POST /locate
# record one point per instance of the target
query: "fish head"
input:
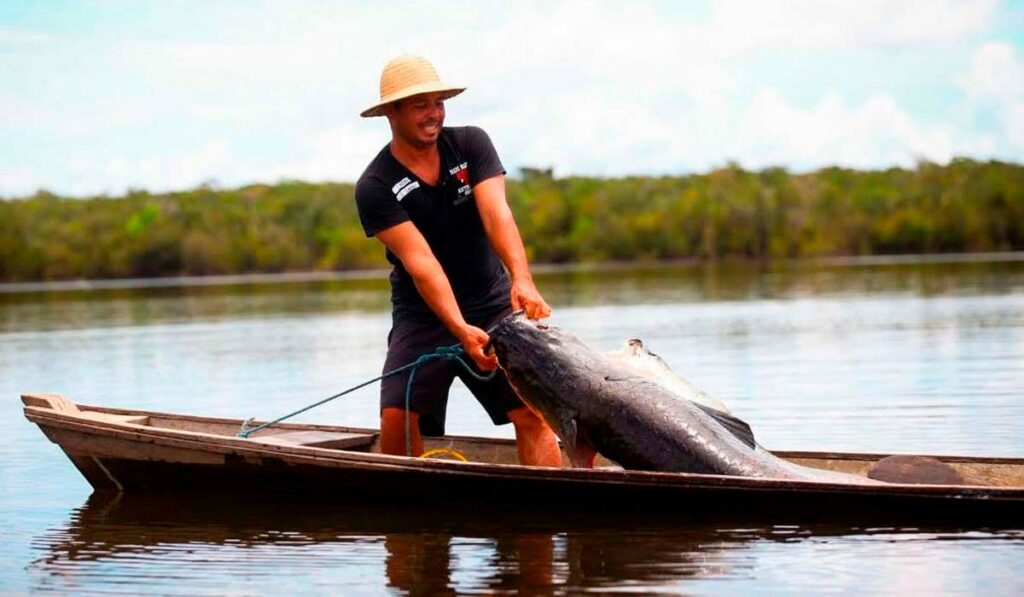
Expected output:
(633, 347)
(517, 338)
(635, 357)
(546, 367)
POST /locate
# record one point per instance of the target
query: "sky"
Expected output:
(103, 97)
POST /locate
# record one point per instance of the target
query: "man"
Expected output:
(435, 197)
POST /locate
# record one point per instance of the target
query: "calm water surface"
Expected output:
(923, 358)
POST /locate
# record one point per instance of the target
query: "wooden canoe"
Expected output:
(129, 450)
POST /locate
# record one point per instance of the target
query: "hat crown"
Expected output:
(406, 76)
(406, 71)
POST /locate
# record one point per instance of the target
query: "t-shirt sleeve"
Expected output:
(482, 156)
(378, 208)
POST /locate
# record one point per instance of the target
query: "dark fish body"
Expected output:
(594, 403)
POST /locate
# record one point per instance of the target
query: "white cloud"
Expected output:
(17, 112)
(741, 24)
(642, 92)
(587, 87)
(874, 133)
(18, 182)
(766, 131)
(9, 37)
(337, 154)
(995, 73)
(91, 175)
(995, 83)
(1015, 126)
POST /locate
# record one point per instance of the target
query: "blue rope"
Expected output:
(453, 352)
(444, 352)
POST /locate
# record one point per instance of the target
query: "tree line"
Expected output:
(965, 206)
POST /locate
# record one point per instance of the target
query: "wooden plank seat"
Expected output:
(334, 440)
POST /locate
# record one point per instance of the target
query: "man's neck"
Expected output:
(424, 161)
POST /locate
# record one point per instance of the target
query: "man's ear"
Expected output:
(390, 110)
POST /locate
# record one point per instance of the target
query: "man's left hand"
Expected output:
(526, 297)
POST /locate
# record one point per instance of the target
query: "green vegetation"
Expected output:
(962, 207)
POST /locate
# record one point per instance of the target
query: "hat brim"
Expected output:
(378, 108)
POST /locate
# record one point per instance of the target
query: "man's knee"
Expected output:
(526, 420)
(393, 416)
(536, 442)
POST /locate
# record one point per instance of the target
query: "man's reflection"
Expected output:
(424, 552)
(425, 563)
(419, 563)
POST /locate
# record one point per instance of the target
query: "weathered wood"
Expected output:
(134, 450)
(53, 401)
(990, 472)
(125, 419)
(320, 439)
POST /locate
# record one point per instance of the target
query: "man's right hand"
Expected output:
(473, 341)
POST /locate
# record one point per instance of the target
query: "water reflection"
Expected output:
(441, 562)
(192, 544)
(164, 541)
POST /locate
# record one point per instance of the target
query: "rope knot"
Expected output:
(449, 352)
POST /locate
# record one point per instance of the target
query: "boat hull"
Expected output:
(115, 455)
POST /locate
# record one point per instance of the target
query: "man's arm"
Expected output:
(406, 242)
(505, 238)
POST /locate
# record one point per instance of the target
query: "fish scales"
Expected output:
(596, 404)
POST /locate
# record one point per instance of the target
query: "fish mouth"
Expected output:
(491, 330)
(512, 330)
(517, 316)
(498, 328)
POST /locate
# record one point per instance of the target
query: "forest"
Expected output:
(730, 212)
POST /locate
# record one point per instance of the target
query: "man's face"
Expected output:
(417, 120)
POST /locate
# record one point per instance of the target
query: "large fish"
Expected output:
(596, 405)
(635, 356)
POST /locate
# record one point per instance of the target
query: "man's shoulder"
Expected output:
(472, 144)
(462, 135)
(377, 172)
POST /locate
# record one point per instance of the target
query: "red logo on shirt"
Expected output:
(461, 174)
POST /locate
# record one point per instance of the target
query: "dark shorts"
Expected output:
(408, 340)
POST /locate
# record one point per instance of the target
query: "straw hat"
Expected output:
(406, 76)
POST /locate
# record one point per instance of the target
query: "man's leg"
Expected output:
(408, 340)
(392, 432)
(537, 444)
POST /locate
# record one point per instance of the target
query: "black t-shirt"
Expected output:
(388, 194)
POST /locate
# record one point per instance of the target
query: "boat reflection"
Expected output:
(171, 542)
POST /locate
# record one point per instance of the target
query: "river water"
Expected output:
(909, 356)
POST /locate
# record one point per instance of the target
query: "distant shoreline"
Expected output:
(727, 215)
(540, 268)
